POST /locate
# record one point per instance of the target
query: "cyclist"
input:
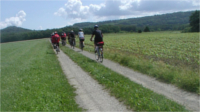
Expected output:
(68, 35)
(81, 36)
(98, 37)
(63, 36)
(56, 38)
(72, 36)
(52, 36)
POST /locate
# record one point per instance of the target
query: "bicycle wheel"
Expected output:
(57, 49)
(73, 44)
(101, 55)
(82, 45)
(96, 55)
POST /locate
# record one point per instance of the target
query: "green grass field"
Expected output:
(32, 79)
(172, 57)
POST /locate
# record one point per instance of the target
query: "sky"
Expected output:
(49, 14)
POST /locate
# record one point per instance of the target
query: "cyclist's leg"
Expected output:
(80, 43)
(95, 47)
(83, 42)
(58, 44)
(74, 42)
(71, 41)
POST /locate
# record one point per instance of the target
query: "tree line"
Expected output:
(16, 34)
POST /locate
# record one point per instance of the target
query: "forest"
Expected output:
(178, 21)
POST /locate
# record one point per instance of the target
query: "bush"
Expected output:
(139, 31)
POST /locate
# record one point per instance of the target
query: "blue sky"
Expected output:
(48, 14)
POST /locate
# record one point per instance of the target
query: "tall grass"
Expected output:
(135, 96)
(32, 79)
(172, 57)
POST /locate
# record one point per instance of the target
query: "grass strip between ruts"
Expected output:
(135, 96)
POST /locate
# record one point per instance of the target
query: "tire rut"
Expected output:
(90, 95)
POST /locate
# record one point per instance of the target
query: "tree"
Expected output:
(195, 21)
(146, 29)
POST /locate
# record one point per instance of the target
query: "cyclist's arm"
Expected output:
(92, 37)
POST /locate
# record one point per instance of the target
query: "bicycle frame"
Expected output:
(72, 42)
(63, 42)
(100, 53)
(81, 45)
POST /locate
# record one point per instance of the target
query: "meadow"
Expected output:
(170, 56)
(32, 79)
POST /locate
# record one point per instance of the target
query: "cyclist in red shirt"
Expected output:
(63, 36)
(56, 38)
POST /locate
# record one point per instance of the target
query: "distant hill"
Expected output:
(173, 21)
(164, 21)
(14, 29)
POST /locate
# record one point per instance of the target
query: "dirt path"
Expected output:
(190, 100)
(90, 94)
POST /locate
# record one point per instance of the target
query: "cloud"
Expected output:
(75, 11)
(14, 21)
(40, 27)
(167, 5)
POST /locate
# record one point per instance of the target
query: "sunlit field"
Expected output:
(172, 57)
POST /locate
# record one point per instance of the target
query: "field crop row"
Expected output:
(161, 46)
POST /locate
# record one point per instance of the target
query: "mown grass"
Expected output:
(131, 94)
(32, 79)
(172, 57)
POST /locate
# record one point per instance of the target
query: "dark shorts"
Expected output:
(63, 38)
(81, 39)
(96, 40)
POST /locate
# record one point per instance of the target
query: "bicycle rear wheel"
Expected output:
(101, 55)
(57, 49)
(73, 42)
(82, 45)
(96, 55)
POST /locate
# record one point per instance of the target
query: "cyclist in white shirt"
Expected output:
(81, 36)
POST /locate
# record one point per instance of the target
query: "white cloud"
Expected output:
(74, 11)
(14, 21)
(40, 27)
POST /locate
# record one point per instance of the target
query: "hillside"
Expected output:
(164, 21)
(14, 29)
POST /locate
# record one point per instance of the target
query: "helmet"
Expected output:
(55, 32)
(80, 29)
(96, 26)
(71, 31)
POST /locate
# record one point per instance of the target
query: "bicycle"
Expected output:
(56, 47)
(99, 52)
(63, 42)
(81, 45)
(72, 42)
